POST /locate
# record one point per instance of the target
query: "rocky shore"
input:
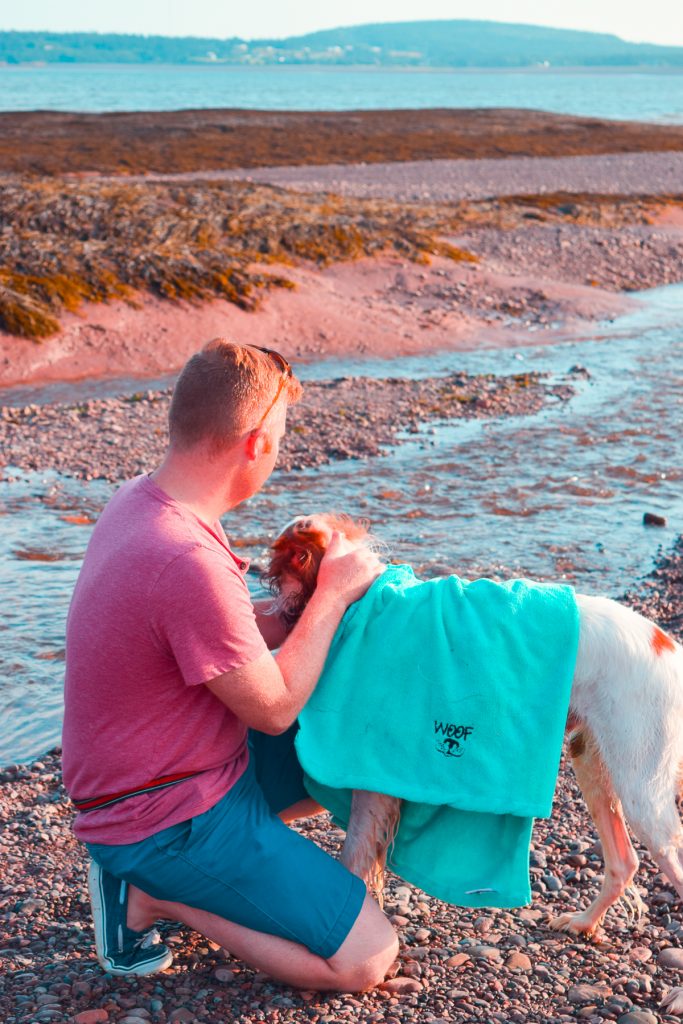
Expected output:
(401, 258)
(109, 278)
(350, 417)
(454, 965)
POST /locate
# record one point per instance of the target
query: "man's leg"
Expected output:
(361, 961)
(238, 875)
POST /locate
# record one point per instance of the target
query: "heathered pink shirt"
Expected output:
(160, 607)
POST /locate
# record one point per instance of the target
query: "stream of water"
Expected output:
(559, 495)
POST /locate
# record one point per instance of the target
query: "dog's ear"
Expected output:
(297, 554)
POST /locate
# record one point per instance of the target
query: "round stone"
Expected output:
(672, 956)
(637, 1017)
(518, 962)
(585, 994)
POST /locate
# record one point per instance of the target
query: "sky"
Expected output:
(657, 21)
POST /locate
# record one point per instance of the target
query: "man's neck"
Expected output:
(194, 486)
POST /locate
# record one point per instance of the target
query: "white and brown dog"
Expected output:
(625, 731)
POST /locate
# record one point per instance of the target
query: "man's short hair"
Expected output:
(223, 391)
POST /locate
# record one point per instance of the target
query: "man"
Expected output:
(167, 667)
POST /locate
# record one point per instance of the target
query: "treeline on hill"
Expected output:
(482, 44)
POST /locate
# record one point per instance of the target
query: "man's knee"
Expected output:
(368, 951)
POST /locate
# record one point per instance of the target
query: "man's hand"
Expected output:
(268, 693)
(346, 571)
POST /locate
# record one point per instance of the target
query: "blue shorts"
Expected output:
(239, 861)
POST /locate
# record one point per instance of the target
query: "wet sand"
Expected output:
(312, 274)
(383, 307)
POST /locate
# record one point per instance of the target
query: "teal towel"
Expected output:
(452, 695)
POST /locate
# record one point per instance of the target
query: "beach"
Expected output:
(454, 965)
(124, 277)
(346, 237)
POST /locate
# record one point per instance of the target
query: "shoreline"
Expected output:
(369, 308)
(317, 275)
(342, 418)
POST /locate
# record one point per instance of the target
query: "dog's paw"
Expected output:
(577, 924)
(673, 1001)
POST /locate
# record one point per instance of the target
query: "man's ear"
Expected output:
(257, 443)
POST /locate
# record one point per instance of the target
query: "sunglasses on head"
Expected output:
(285, 374)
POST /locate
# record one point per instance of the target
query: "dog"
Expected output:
(624, 729)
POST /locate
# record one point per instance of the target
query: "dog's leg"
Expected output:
(621, 860)
(670, 860)
(663, 834)
(372, 827)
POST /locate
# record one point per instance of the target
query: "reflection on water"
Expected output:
(560, 495)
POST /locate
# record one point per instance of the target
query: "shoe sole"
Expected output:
(94, 876)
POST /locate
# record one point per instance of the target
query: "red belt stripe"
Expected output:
(96, 802)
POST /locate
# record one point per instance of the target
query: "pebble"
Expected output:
(638, 1017)
(224, 975)
(518, 962)
(585, 994)
(458, 959)
(181, 1016)
(641, 953)
(485, 952)
(401, 986)
(672, 956)
(91, 1017)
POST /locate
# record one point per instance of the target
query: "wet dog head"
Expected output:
(292, 572)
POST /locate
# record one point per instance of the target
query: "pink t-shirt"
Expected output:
(160, 607)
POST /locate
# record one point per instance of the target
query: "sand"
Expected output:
(536, 281)
(380, 308)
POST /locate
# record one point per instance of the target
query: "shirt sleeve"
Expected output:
(202, 615)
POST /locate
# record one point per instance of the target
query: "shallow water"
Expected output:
(560, 495)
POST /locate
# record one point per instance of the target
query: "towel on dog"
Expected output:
(452, 695)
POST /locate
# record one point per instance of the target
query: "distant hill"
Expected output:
(456, 44)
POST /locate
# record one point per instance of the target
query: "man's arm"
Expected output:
(269, 693)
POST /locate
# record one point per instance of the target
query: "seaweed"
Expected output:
(63, 243)
(66, 242)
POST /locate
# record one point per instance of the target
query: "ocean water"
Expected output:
(642, 95)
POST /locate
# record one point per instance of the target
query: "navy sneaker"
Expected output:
(119, 949)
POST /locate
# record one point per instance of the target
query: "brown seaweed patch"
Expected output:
(51, 142)
(34, 555)
(63, 243)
